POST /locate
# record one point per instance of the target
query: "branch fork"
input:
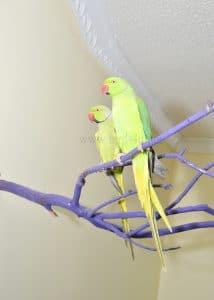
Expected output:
(101, 219)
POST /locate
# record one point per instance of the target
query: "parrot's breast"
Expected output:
(127, 122)
(107, 141)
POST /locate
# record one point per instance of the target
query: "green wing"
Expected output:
(99, 144)
(106, 141)
(145, 118)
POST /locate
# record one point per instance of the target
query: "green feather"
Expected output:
(145, 118)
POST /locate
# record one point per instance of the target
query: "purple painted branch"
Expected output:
(188, 163)
(177, 229)
(49, 200)
(46, 200)
(125, 158)
(189, 186)
(157, 140)
(113, 200)
(123, 235)
(192, 208)
(177, 200)
(100, 219)
(169, 212)
(125, 195)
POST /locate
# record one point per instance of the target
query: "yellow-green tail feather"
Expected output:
(123, 205)
(157, 239)
(148, 198)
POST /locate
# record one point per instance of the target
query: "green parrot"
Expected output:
(108, 147)
(132, 124)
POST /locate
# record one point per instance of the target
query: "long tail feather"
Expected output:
(157, 239)
(159, 207)
(149, 199)
(122, 202)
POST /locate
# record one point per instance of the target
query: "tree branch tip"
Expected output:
(167, 186)
(181, 153)
(53, 213)
(209, 106)
(176, 248)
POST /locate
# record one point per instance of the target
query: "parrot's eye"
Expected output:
(97, 109)
(113, 81)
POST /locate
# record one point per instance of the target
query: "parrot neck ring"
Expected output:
(92, 118)
(107, 117)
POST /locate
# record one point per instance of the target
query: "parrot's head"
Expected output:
(114, 86)
(99, 113)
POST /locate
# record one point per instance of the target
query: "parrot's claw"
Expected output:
(140, 148)
(118, 158)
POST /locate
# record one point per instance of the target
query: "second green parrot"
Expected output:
(108, 147)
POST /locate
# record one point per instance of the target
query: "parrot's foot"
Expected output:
(140, 148)
(118, 158)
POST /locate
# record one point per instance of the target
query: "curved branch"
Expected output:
(189, 186)
(188, 163)
(125, 195)
(98, 218)
(176, 229)
(45, 200)
(125, 158)
(113, 200)
(169, 212)
(178, 199)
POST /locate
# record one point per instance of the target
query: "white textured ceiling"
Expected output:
(164, 47)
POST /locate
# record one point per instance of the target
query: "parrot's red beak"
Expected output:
(105, 89)
(91, 116)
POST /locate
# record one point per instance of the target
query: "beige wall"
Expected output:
(48, 82)
(190, 269)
